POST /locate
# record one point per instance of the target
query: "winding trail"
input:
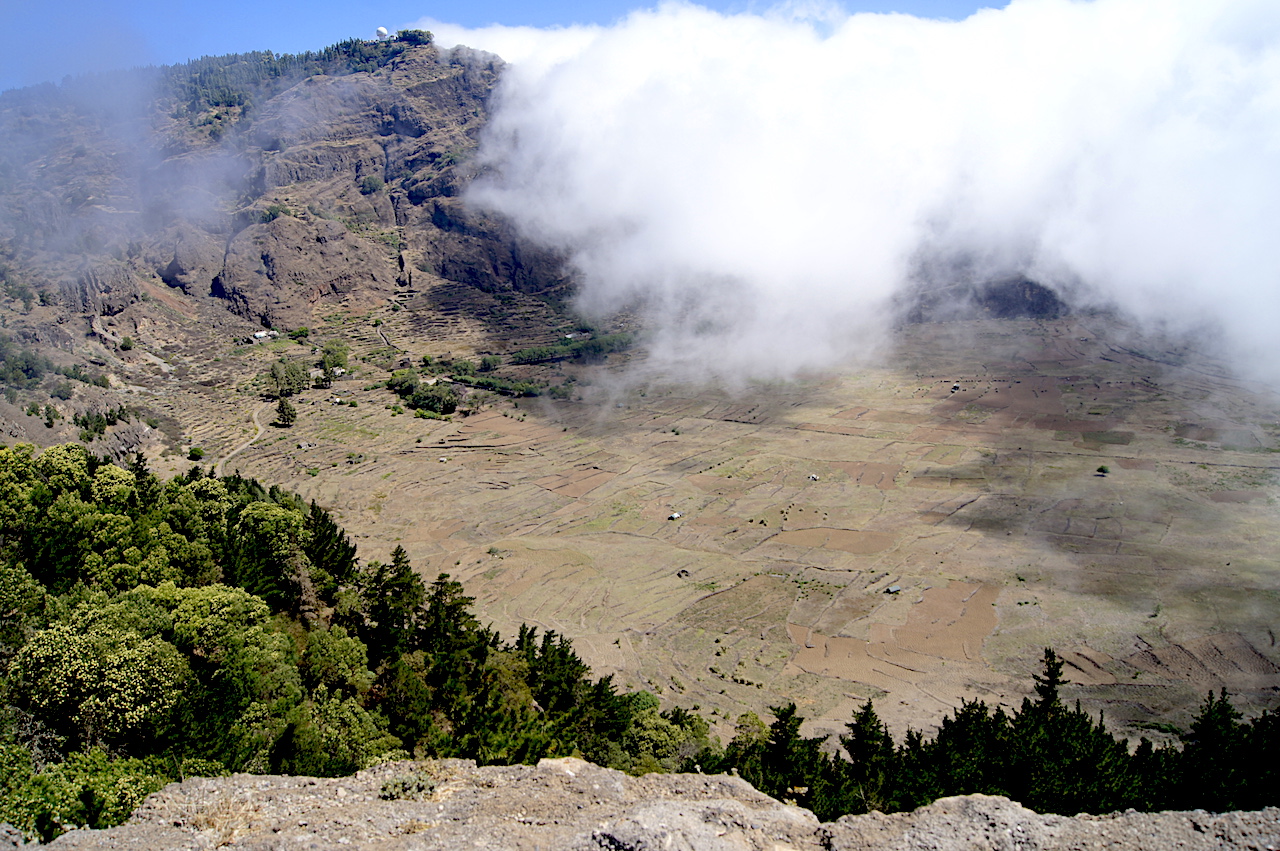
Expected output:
(220, 469)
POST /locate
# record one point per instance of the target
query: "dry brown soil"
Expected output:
(801, 504)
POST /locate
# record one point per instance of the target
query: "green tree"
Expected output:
(790, 763)
(268, 559)
(437, 398)
(969, 752)
(60, 535)
(417, 38)
(393, 596)
(335, 663)
(106, 687)
(205, 623)
(554, 671)
(65, 469)
(334, 354)
(286, 414)
(22, 609)
(89, 789)
(746, 749)
(289, 377)
(660, 741)
(18, 477)
(330, 551)
(1260, 784)
(147, 484)
(113, 488)
(401, 693)
(1048, 684)
(1213, 758)
(1060, 760)
(330, 738)
(868, 779)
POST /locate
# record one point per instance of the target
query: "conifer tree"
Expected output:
(1261, 762)
(394, 595)
(1213, 758)
(790, 764)
(330, 551)
(286, 414)
(868, 778)
(1049, 683)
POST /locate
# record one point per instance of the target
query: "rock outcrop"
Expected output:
(571, 805)
(326, 195)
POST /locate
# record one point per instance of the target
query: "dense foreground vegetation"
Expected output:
(151, 631)
(1049, 757)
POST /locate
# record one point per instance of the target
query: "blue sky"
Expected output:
(40, 42)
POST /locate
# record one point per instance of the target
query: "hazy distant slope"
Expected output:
(274, 183)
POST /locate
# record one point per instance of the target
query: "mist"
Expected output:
(759, 188)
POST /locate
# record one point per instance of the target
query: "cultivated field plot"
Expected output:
(915, 533)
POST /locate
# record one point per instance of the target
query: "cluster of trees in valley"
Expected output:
(154, 630)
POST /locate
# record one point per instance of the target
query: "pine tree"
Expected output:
(1060, 760)
(917, 778)
(404, 698)
(867, 781)
(970, 752)
(790, 764)
(1213, 756)
(455, 644)
(1155, 776)
(147, 487)
(330, 551)
(1261, 762)
(1048, 683)
(555, 672)
(393, 595)
(286, 414)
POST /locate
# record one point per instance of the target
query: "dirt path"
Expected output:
(221, 467)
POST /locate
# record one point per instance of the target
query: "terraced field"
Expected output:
(914, 533)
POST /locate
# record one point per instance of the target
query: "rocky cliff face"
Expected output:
(333, 192)
(575, 806)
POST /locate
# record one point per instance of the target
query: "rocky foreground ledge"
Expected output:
(571, 805)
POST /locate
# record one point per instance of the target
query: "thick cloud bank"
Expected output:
(761, 186)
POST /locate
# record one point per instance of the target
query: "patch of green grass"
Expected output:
(1115, 438)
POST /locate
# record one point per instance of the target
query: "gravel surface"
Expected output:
(571, 805)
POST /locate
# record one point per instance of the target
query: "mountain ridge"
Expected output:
(1022, 476)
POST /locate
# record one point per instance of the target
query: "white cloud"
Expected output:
(761, 184)
(529, 47)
